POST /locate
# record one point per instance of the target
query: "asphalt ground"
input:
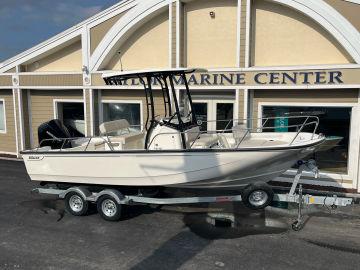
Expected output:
(36, 233)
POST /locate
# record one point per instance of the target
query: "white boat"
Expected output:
(172, 152)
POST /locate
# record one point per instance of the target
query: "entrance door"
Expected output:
(214, 114)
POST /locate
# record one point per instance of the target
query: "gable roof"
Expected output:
(67, 35)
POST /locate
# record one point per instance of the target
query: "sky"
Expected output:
(26, 23)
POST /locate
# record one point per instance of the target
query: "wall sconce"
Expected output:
(212, 14)
(85, 69)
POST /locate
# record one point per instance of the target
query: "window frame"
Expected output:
(329, 178)
(4, 131)
(122, 101)
(56, 102)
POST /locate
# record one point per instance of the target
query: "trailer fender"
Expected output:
(117, 195)
(82, 191)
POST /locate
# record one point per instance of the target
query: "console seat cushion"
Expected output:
(205, 141)
(133, 140)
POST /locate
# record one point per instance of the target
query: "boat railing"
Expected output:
(243, 127)
(64, 141)
(307, 121)
(261, 122)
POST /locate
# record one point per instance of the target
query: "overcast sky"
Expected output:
(25, 23)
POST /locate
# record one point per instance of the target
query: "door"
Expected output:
(214, 114)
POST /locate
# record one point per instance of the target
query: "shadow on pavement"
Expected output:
(173, 253)
(47, 206)
(241, 222)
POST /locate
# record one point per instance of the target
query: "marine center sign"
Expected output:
(268, 78)
(264, 78)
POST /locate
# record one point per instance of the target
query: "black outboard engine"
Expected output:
(54, 132)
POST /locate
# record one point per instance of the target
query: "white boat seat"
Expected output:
(111, 127)
(122, 137)
(133, 140)
(191, 135)
(206, 141)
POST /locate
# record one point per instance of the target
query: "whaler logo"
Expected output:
(34, 158)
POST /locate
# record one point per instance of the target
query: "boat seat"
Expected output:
(191, 135)
(121, 135)
(206, 141)
(134, 140)
(240, 132)
(108, 128)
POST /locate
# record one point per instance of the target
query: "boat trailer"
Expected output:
(109, 201)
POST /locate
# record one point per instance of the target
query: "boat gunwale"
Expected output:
(209, 150)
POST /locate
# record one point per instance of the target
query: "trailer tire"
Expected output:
(108, 208)
(257, 196)
(75, 204)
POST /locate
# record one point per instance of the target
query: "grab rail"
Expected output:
(261, 127)
(64, 140)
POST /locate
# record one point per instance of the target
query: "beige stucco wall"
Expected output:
(210, 42)
(42, 106)
(66, 59)
(98, 32)
(8, 139)
(147, 47)
(283, 36)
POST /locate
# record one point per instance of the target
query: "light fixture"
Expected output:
(212, 14)
(85, 69)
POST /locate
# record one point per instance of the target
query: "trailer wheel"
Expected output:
(257, 196)
(75, 204)
(108, 208)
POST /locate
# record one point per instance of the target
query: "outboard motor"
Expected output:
(53, 131)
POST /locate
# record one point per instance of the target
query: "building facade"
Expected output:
(265, 58)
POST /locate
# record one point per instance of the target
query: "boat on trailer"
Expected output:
(172, 150)
(123, 166)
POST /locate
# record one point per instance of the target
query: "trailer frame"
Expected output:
(298, 198)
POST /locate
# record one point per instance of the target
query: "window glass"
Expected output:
(224, 116)
(333, 155)
(2, 116)
(129, 111)
(201, 112)
(72, 114)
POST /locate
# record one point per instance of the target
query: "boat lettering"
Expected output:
(35, 158)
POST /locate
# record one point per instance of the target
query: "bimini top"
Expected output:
(130, 74)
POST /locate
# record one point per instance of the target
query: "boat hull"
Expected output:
(191, 169)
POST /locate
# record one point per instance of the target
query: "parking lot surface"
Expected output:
(36, 233)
